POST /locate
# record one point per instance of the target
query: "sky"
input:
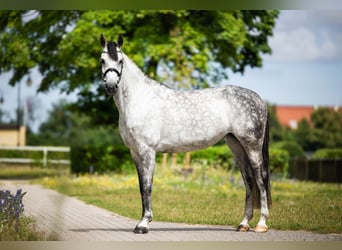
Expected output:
(305, 67)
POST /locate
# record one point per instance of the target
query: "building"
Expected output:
(290, 116)
(11, 135)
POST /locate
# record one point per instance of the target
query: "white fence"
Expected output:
(45, 160)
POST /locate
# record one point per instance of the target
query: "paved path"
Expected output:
(73, 220)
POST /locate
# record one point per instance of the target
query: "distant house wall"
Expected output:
(10, 136)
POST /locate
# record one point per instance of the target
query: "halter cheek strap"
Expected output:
(119, 74)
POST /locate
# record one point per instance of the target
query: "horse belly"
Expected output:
(189, 144)
(187, 131)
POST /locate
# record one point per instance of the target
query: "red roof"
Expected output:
(290, 115)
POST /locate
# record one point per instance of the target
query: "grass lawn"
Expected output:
(209, 196)
(23, 172)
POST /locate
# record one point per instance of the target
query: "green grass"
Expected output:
(209, 196)
(25, 172)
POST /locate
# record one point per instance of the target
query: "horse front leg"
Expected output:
(145, 163)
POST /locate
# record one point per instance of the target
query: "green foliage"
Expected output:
(116, 158)
(277, 131)
(37, 156)
(195, 45)
(328, 153)
(304, 135)
(13, 225)
(29, 231)
(11, 209)
(216, 156)
(100, 159)
(324, 131)
(279, 162)
(293, 148)
(219, 156)
(24, 172)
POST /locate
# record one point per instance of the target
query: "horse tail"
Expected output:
(266, 163)
(265, 171)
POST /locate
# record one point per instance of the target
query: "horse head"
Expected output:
(111, 64)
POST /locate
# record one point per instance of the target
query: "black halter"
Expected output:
(119, 73)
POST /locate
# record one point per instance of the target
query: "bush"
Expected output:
(100, 159)
(279, 161)
(328, 153)
(99, 150)
(293, 148)
(11, 208)
(222, 156)
(216, 156)
(15, 226)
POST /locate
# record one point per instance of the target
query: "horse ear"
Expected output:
(102, 41)
(120, 41)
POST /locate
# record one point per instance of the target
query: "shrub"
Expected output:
(279, 161)
(11, 208)
(216, 156)
(100, 159)
(293, 148)
(222, 156)
(328, 153)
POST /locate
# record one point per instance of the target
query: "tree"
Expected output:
(65, 126)
(277, 131)
(193, 48)
(56, 129)
(323, 131)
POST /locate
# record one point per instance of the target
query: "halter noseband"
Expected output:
(119, 74)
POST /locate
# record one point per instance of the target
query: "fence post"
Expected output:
(174, 160)
(187, 160)
(306, 177)
(164, 161)
(45, 156)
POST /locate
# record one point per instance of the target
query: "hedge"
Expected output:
(293, 148)
(116, 158)
(216, 156)
(279, 161)
(100, 159)
(37, 156)
(328, 153)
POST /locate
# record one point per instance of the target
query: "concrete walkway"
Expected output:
(73, 220)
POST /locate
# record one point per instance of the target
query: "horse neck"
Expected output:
(132, 82)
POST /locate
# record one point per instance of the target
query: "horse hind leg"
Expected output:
(244, 165)
(262, 195)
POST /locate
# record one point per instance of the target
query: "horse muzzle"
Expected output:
(111, 88)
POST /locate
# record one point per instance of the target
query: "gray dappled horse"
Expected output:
(154, 118)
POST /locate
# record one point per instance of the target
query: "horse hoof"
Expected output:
(260, 229)
(243, 228)
(141, 230)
